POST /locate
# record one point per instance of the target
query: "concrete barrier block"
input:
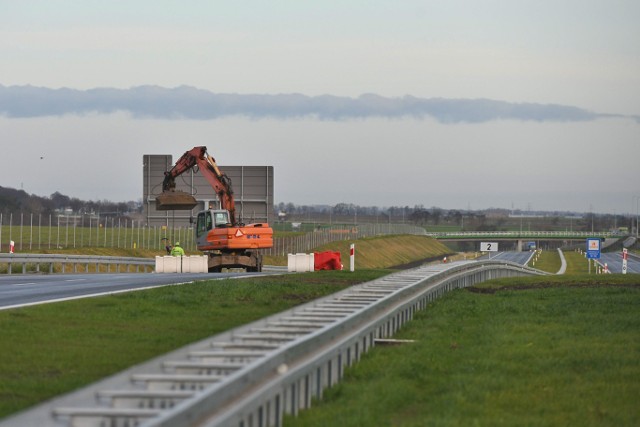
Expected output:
(200, 262)
(194, 264)
(186, 264)
(171, 264)
(159, 264)
(300, 262)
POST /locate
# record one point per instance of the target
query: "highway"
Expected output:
(20, 290)
(280, 363)
(517, 257)
(612, 259)
(614, 262)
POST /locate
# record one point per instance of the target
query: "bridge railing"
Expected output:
(521, 234)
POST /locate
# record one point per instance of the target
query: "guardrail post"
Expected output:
(78, 262)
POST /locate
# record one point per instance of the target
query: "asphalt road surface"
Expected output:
(612, 259)
(614, 263)
(518, 257)
(18, 290)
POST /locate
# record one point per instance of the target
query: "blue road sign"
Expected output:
(593, 248)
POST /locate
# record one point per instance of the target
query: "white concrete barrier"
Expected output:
(299, 263)
(185, 264)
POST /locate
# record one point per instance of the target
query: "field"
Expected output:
(558, 351)
(53, 348)
(514, 353)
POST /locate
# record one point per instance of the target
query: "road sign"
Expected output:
(488, 246)
(625, 255)
(593, 248)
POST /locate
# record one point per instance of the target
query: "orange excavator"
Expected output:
(218, 233)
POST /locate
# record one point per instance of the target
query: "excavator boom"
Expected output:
(219, 233)
(170, 199)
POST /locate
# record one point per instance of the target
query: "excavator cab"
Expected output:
(208, 220)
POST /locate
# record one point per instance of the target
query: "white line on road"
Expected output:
(100, 294)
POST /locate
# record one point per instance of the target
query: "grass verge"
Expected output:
(520, 354)
(548, 261)
(54, 348)
(388, 251)
(577, 263)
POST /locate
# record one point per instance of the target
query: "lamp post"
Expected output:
(637, 199)
(637, 203)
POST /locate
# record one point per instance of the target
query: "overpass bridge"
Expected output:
(519, 237)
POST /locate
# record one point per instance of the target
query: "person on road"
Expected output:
(167, 245)
(177, 250)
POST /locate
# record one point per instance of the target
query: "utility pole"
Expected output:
(637, 203)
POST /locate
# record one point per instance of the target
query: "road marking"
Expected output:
(75, 280)
(24, 284)
(100, 294)
(29, 304)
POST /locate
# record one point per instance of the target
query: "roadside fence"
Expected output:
(324, 235)
(37, 232)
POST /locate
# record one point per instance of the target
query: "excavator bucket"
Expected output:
(175, 200)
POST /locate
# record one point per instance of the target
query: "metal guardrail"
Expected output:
(522, 234)
(254, 374)
(49, 260)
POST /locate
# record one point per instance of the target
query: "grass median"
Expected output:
(55, 348)
(535, 351)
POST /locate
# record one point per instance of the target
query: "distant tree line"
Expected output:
(14, 201)
(17, 201)
(417, 214)
(494, 219)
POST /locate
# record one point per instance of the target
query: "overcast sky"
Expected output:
(467, 103)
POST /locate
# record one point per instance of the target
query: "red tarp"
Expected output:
(327, 261)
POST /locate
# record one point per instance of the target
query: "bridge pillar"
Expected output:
(519, 248)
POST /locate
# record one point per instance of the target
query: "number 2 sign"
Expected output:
(488, 246)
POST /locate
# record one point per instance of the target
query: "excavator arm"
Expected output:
(232, 245)
(220, 182)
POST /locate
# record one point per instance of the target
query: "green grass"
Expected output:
(29, 239)
(537, 356)
(381, 251)
(577, 263)
(548, 261)
(54, 348)
(551, 351)
(388, 251)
